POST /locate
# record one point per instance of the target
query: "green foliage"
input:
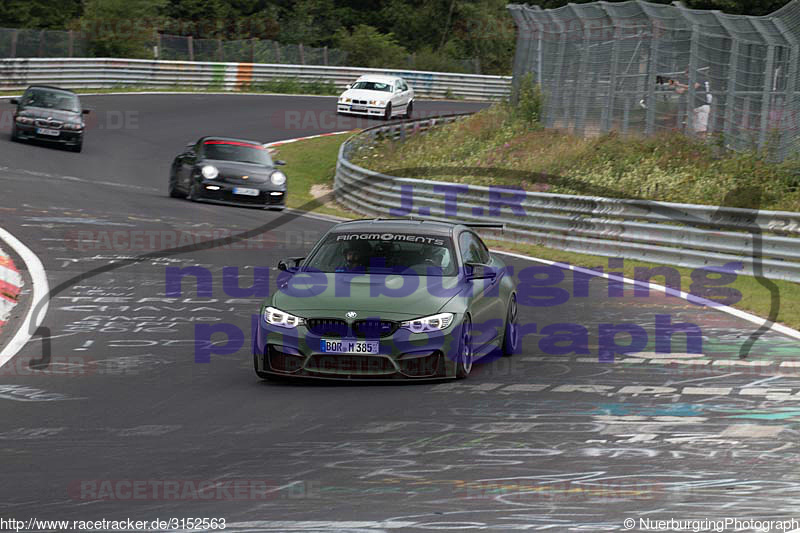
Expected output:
(39, 14)
(120, 28)
(294, 86)
(530, 100)
(367, 47)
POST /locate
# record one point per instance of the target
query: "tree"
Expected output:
(121, 28)
(367, 47)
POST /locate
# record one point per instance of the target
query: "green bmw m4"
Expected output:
(388, 299)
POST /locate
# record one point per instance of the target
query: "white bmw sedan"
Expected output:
(377, 96)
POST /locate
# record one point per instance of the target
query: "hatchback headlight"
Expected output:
(282, 319)
(209, 172)
(428, 323)
(278, 178)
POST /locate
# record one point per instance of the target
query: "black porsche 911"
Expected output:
(228, 171)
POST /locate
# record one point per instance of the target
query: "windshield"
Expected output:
(237, 151)
(51, 99)
(400, 253)
(372, 86)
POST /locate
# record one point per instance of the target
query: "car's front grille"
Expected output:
(44, 123)
(348, 363)
(283, 362)
(363, 102)
(374, 328)
(328, 327)
(423, 367)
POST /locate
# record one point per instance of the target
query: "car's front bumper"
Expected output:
(372, 111)
(29, 132)
(402, 355)
(268, 196)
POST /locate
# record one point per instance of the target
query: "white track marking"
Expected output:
(39, 298)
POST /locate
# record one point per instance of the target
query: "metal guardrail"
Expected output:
(697, 236)
(102, 73)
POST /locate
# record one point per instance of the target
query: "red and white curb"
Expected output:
(10, 285)
(39, 293)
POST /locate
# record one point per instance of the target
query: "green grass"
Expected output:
(670, 167)
(313, 162)
(308, 163)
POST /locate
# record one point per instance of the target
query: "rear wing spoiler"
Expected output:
(486, 225)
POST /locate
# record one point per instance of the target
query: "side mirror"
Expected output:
(279, 162)
(478, 271)
(14, 101)
(284, 266)
(190, 145)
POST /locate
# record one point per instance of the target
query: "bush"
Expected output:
(367, 47)
(529, 100)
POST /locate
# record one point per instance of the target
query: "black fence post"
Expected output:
(191, 48)
(14, 37)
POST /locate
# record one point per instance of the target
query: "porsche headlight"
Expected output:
(209, 172)
(428, 323)
(278, 178)
(282, 319)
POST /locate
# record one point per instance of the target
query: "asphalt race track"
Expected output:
(123, 423)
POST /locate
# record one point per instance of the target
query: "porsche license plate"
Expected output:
(45, 131)
(346, 346)
(245, 192)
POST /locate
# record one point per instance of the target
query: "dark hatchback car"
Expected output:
(49, 114)
(228, 171)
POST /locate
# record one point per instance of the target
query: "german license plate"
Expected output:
(45, 131)
(245, 192)
(346, 346)
(358, 108)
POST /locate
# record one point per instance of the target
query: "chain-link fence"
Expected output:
(45, 43)
(642, 67)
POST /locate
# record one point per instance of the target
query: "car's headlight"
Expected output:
(381, 102)
(209, 172)
(278, 178)
(347, 100)
(282, 319)
(25, 120)
(73, 126)
(428, 323)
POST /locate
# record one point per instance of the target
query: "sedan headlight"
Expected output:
(428, 323)
(209, 172)
(282, 319)
(73, 126)
(347, 100)
(25, 120)
(278, 178)
(381, 102)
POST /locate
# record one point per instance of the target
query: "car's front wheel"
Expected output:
(409, 109)
(388, 113)
(464, 356)
(511, 334)
(14, 134)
